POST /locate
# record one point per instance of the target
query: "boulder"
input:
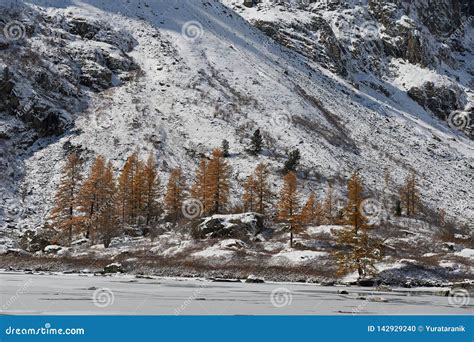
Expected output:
(239, 226)
(52, 249)
(252, 279)
(114, 268)
(34, 241)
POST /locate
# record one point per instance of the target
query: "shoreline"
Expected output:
(141, 267)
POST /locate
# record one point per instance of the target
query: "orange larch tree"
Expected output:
(199, 188)
(175, 194)
(217, 190)
(64, 213)
(288, 205)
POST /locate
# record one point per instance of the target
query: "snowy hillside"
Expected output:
(421, 49)
(222, 79)
(177, 77)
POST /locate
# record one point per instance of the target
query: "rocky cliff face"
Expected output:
(49, 65)
(44, 88)
(422, 48)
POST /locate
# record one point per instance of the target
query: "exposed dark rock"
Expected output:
(439, 99)
(327, 50)
(243, 227)
(34, 241)
(254, 280)
(367, 282)
(114, 268)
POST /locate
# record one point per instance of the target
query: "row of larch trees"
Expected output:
(101, 204)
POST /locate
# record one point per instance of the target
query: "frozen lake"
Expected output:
(52, 294)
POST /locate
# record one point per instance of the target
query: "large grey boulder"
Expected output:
(34, 241)
(238, 226)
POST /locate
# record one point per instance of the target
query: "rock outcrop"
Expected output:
(441, 100)
(244, 227)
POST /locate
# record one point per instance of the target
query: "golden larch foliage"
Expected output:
(175, 194)
(199, 188)
(90, 195)
(312, 211)
(218, 187)
(249, 198)
(358, 250)
(409, 195)
(64, 213)
(264, 195)
(151, 190)
(288, 204)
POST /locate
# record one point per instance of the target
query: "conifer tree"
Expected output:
(256, 143)
(409, 194)
(249, 198)
(64, 213)
(175, 194)
(288, 205)
(151, 189)
(217, 190)
(328, 205)
(200, 185)
(106, 216)
(225, 148)
(90, 195)
(361, 251)
(312, 211)
(398, 208)
(262, 190)
(128, 188)
(292, 161)
(124, 189)
(139, 186)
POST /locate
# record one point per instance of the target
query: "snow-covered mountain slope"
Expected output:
(204, 74)
(423, 49)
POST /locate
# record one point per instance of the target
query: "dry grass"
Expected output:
(239, 267)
